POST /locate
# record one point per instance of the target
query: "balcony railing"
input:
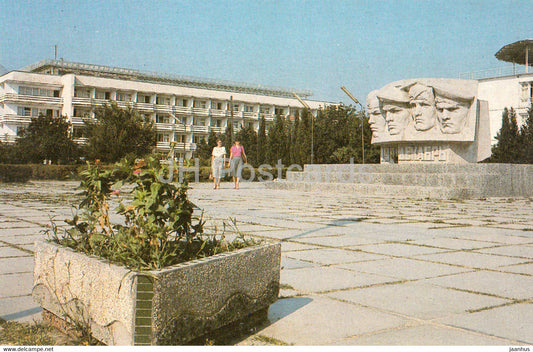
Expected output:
(19, 98)
(8, 138)
(496, 72)
(15, 119)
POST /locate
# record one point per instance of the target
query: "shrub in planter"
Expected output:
(15, 173)
(154, 277)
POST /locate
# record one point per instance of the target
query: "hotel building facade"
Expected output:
(184, 109)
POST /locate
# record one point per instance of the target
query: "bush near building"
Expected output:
(15, 173)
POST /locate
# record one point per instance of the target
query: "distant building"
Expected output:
(510, 86)
(184, 109)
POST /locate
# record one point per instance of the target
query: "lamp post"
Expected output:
(362, 122)
(312, 126)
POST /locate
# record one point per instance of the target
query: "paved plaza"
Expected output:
(355, 270)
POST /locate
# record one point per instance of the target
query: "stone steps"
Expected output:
(415, 180)
(378, 190)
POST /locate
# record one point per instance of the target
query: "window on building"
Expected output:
(279, 111)
(236, 107)
(160, 118)
(198, 121)
(163, 100)
(29, 111)
(265, 109)
(82, 92)
(143, 98)
(179, 138)
(201, 104)
(218, 123)
(123, 96)
(217, 105)
(42, 92)
(78, 132)
(198, 139)
(163, 138)
(248, 108)
(100, 94)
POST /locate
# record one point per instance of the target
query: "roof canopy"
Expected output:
(520, 52)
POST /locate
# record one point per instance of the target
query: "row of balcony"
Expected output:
(179, 146)
(24, 99)
(174, 109)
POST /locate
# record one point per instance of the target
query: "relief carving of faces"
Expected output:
(375, 120)
(422, 100)
(397, 115)
(451, 114)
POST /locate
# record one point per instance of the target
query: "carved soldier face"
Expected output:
(423, 107)
(375, 120)
(451, 115)
(397, 116)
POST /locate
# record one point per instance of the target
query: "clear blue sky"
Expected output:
(317, 45)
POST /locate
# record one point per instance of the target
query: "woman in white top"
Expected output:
(217, 163)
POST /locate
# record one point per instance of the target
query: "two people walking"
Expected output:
(235, 163)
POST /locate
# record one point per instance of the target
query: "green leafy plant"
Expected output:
(157, 227)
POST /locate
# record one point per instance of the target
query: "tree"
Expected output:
(505, 149)
(248, 138)
(204, 150)
(277, 141)
(118, 132)
(47, 137)
(526, 134)
(261, 142)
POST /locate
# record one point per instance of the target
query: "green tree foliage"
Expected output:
(118, 132)
(47, 137)
(260, 157)
(526, 134)
(507, 149)
(204, 150)
(277, 141)
(248, 138)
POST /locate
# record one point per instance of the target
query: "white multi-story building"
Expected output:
(507, 87)
(184, 109)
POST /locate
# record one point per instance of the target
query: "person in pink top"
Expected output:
(236, 157)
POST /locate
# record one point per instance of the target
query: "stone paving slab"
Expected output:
(320, 279)
(328, 256)
(520, 268)
(16, 265)
(454, 243)
(426, 335)
(338, 240)
(512, 251)
(512, 286)
(472, 259)
(398, 249)
(10, 252)
(289, 263)
(415, 299)
(514, 322)
(21, 286)
(404, 269)
(320, 321)
(21, 308)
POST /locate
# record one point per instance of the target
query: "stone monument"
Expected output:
(429, 120)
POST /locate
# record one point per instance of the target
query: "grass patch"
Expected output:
(271, 341)
(27, 334)
(286, 287)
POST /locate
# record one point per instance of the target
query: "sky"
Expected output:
(315, 45)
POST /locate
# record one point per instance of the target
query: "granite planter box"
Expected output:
(164, 307)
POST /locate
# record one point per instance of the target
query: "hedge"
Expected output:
(15, 173)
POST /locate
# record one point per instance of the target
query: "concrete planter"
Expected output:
(169, 306)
